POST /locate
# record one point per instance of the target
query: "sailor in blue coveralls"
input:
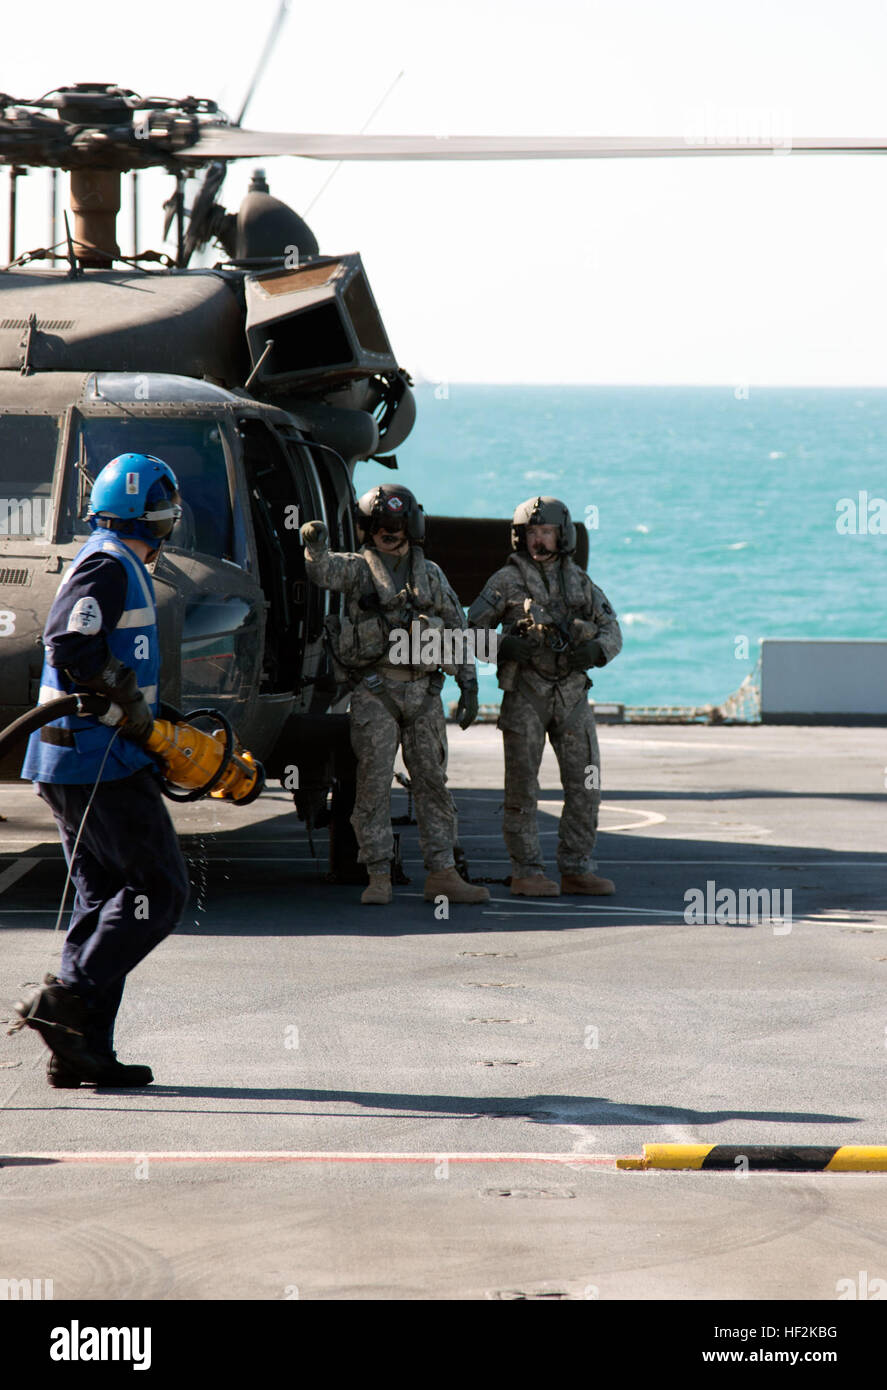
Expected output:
(130, 879)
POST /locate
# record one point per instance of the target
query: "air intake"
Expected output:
(323, 322)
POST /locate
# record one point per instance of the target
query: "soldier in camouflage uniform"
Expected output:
(555, 623)
(391, 590)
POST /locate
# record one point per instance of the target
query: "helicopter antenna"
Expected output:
(75, 270)
(336, 167)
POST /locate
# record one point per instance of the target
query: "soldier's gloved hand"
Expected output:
(119, 683)
(466, 712)
(515, 649)
(588, 653)
(315, 533)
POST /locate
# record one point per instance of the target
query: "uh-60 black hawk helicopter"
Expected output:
(262, 382)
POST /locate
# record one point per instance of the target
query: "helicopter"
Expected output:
(262, 381)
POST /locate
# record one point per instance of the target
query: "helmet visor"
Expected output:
(160, 517)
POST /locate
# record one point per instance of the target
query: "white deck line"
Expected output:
(301, 1156)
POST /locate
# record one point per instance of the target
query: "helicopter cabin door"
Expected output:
(210, 613)
(282, 497)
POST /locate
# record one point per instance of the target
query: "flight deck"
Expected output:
(364, 1102)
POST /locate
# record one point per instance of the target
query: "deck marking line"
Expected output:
(302, 1156)
(833, 1158)
(856, 1158)
(15, 872)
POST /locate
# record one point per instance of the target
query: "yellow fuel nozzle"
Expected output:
(192, 760)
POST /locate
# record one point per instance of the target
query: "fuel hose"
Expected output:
(22, 728)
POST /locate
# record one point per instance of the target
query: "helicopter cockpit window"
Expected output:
(193, 450)
(28, 446)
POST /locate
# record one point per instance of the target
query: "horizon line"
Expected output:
(670, 385)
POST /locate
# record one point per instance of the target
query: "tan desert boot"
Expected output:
(449, 884)
(378, 892)
(534, 886)
(588, 884)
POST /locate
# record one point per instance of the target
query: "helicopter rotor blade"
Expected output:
(273, 34)
(225, 142)
(198, 232)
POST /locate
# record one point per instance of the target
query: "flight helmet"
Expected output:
(389, 503)
(543, 511)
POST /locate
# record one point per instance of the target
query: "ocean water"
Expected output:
(717, 512)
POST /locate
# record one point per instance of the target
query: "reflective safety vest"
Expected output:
(77, 746)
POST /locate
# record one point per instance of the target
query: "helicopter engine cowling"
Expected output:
(267, 229)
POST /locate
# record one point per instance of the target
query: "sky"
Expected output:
(764, 269)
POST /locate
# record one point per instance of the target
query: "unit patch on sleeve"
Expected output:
(85, 617)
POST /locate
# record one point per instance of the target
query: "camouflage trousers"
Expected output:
(375, 738)
(524, 723)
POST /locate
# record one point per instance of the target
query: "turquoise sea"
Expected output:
(717, 511)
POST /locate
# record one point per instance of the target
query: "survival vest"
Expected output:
(362, 639)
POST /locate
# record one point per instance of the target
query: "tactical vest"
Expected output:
(79, 760)
(361, 640)
(571, 596)
(569, 604)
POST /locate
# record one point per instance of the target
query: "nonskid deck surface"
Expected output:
(366, 1102)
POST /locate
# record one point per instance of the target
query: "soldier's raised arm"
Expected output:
(328, 568)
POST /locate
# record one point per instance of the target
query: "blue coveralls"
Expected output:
(130, 878)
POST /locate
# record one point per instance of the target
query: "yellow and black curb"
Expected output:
(789, 1158)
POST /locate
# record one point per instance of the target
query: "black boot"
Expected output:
(61, 1017)
(65, 1076)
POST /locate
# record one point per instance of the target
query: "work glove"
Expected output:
(466, 712)
(588, 653)
(119, 683)
(315, 533)
(515, 649)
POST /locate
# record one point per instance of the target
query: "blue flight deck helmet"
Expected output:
(136, 495)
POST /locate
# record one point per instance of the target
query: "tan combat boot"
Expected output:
(588, 884)
(534, 886)
(449, 884)
(378, 892)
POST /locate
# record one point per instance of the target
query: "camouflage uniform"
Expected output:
(361, 647)
(545, 697)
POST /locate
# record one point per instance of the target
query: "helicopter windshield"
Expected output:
(27, 463)
(193, 450)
